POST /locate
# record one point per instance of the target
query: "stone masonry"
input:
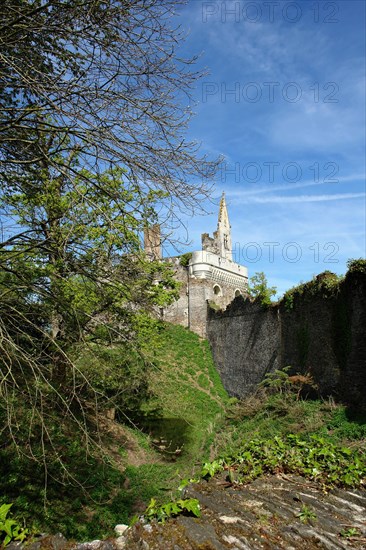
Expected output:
(211, 276)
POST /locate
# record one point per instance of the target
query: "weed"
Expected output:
(306, 514)
(277, 381)
(314, 457)
(10, 530)
(190, 506)
(350, 532)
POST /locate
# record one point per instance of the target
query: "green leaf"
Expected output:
(4, 509)
(191, 505)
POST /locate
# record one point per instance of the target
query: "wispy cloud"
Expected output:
(234, 192)
(301, 198)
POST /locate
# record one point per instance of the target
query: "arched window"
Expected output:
(217, 290)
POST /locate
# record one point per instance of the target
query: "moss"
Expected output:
(185, 258)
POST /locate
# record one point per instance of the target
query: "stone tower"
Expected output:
(211, 277)
(152, 242)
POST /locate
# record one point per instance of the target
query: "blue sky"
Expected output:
(284, 103)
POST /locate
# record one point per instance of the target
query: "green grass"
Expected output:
(276, 431)
(267, 415)
(187, 397)
(187, 386)
(99, 492)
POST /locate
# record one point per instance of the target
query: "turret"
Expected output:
(152, 242)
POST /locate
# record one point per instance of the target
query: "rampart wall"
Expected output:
(321, 331)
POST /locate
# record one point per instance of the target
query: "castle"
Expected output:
(207, 276)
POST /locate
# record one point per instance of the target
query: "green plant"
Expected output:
(277, 381)
(306, 514)
(162, 512)
(209, 469)
(185, 482)
(10, 530)
(326, 284)
(288, 300)
(259, 290)
(315, 458)
(350, 532)
(280, 382)
(357, 265)
(185, 258)
(347, 425)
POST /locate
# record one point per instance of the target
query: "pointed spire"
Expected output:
(223, 233)
(220, 244)
(223, 215)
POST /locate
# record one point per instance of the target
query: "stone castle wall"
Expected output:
(211, 275)
(178, 311)
(203, 283)
(323, 335)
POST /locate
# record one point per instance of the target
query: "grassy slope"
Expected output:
(187, 388)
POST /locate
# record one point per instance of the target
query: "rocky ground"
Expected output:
(276, 512)
(284, 512)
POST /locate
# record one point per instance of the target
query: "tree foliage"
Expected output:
(94, 105)
(73, 287)
(106, 80)
(259, 290)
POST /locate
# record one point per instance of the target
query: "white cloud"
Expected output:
(282, 199)
(239, 193)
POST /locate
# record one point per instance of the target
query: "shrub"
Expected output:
(184, 259)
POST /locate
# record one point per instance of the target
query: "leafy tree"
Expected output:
(74, 282)
(259, 290)
(94, 105)
(105, 78)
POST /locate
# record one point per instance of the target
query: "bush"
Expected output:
(357, 265)
(185, 258)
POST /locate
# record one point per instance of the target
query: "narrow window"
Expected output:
(217, 290)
